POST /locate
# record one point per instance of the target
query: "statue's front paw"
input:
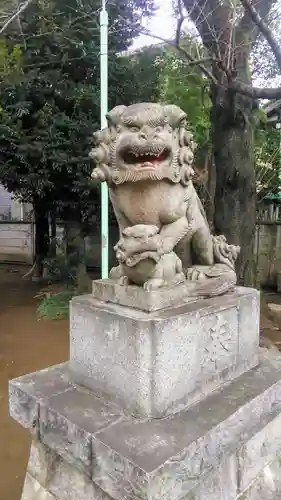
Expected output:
(116, 273)
(153, 284)
(194, 274)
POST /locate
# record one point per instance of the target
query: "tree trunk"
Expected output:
(211, 191)
(229, 40)
(42, 236)
(76, 252)
(42, 241)
(53, 243)
(235, 199)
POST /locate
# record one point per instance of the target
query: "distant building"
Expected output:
(12, 209)
(273, 111)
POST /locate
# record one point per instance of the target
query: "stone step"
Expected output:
(225, 440)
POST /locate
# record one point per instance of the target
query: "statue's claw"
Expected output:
(153, 284)
(194, 274)
(124, 281)
(179, 278)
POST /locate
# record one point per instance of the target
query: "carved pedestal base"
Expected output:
(196, 364)
(153, 364)
(225, 447)
(50, 477)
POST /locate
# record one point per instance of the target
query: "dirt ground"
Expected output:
(26, 345)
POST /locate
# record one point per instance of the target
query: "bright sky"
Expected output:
(162, 24)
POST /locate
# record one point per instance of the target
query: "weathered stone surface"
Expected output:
(42, 462)
(258, 452)
(249, 327)
(223, 483)
(33, 490)
(267, 485)
(56, 479)
(65, 482)
(161, 459)
(68, 483)
(69, 421)
(220, 484)
(152, 364)
(252, 473)
(136, 297)
(48, 382)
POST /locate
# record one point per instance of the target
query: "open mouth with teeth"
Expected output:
(149, 159)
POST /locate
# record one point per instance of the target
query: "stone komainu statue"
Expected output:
(146, 155)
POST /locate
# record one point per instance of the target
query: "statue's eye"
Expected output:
(134, 129)
(158, 129)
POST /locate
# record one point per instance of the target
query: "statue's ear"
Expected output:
(175, 115)
(114, 116)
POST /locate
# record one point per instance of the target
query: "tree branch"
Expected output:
(264, 29)
(184, 52)
(192, 61)
(255, 93)
(232, 84)
(14, 16)
(179, 23)
(204, 14)
(262, 8)
(200, 12)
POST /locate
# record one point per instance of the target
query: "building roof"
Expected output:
(273, 110)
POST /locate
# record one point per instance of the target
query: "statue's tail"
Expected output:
(215, 286)
(225, 253)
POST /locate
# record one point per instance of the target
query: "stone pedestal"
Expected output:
(86, 448)
(50, 477)
(153, 364)
(195, 366)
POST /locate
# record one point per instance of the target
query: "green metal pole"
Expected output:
(103, 112)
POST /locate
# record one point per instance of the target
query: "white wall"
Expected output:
(16, 242)
(5, 203)
(11, 208)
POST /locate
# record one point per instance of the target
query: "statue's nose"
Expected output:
(143, 134)
(146, 133)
